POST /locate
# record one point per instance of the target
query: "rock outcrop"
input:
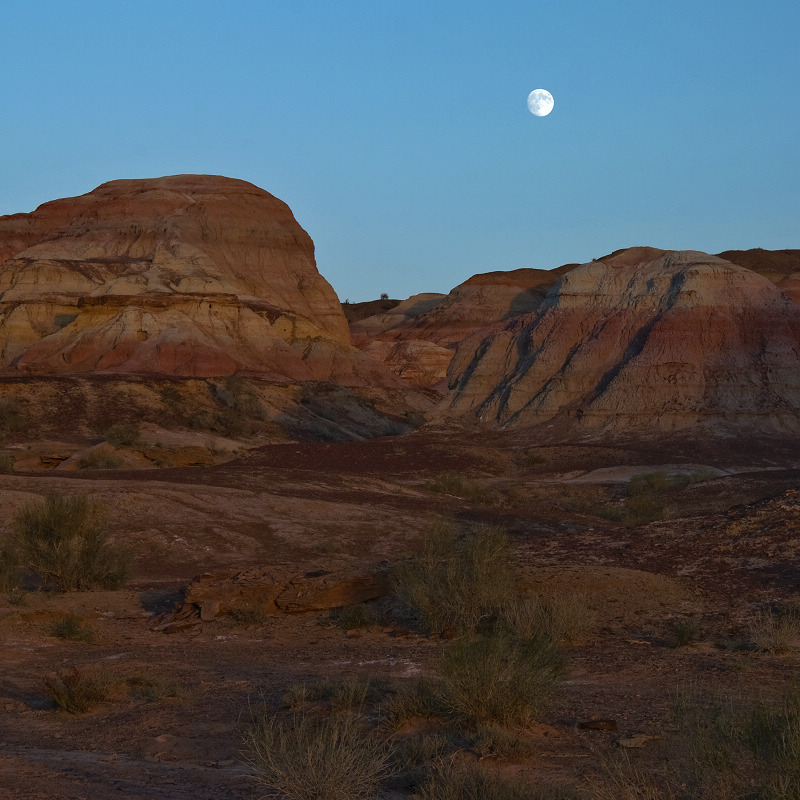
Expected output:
(189, 275)
(418, 338)
(642, 340)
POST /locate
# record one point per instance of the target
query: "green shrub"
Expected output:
(6, 463)
(62, 540)
(307, 758)
(453, 780)
(123, 434)
(77, 692)
(455, 584)
(73, 628)
(500, 679)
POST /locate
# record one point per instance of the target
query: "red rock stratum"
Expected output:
(189, 275)
(643, 340)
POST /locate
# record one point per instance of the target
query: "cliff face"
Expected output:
(418, 338)
(186, 275)
(644, 340)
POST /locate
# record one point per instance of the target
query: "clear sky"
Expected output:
(398, 131)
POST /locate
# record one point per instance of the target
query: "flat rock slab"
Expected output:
(282, 587)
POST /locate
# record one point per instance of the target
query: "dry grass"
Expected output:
(123, 434)
(62, 540)
(456, 485)
(455, 583)
(73, 628)
(775, 632)
(500, 679)
(562, 618)
(308, 758)
(77, 692)
(453, 780)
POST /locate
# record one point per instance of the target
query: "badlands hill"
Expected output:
(198, 278)
(189, 275)
(643, 341)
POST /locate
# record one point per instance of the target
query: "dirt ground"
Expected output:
(723, 548)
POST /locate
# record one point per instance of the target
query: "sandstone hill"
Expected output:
(189, 275)
(417, 339)
(643, 341)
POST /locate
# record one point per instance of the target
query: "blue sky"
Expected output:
(398, 131)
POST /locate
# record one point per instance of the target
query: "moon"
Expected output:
(540, 102)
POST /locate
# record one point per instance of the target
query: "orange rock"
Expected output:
(189, 275)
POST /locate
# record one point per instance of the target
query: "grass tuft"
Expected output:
(73, 628)
(501, 679)
(62, 540)
(306, 758)
(455, 583)
(77, 692)
(453, 780)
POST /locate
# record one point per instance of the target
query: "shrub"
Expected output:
(420, 700)
(775, 632)
(460, 486)
(642, 508)
(562, 618)
(61, 539)
(77, 692)
(305, 758)
(73, 628)
(684, 633)
(500, 679)
(123, 434)
(151, 687)
(452, 780)
(249, 615)
(6, 462)
(11, 416)
(495, 741)
(95, 459)
(455, 584)
(357, 616)
(735, 751)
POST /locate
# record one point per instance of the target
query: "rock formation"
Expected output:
(418, 338)
(189, 275)
(782, 267)
(642, 340)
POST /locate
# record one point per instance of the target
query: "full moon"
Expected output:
(540, 102)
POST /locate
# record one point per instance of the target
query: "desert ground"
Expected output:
(670, 602)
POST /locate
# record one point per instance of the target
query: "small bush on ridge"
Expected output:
(73, 628)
